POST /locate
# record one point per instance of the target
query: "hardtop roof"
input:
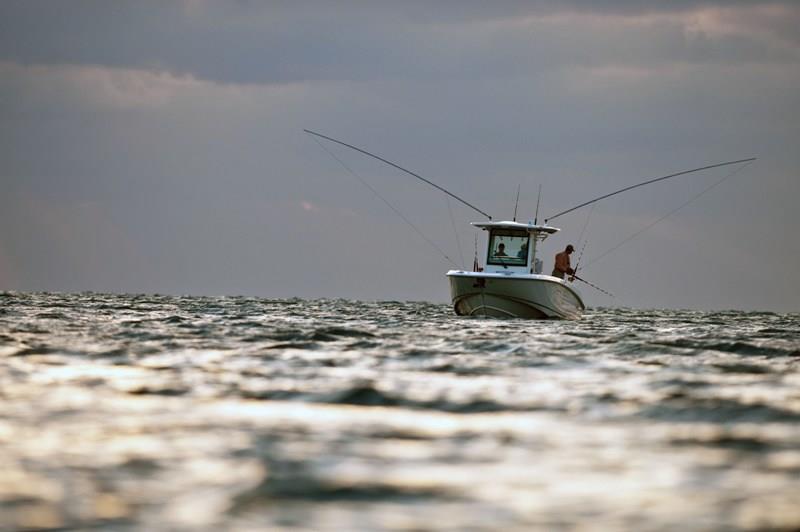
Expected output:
(529, 227)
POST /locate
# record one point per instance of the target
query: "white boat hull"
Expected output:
(513, 296)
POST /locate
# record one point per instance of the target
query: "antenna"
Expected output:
(538, 198)
(517, 202)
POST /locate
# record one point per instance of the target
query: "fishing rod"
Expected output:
(592, 285)
(396, 211)
(365, 152)
(583, 231)
(578, 262)
(664, 217)
(647, 183)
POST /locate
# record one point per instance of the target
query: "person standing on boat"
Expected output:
(562, 266)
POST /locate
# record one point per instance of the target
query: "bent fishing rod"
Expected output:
(592, 285)
(647, 183)
(390, 163)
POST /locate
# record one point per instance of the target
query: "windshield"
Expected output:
(508, 247)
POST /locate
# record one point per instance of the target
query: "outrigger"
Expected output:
(511, 283)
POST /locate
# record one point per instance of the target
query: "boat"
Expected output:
(511, 283)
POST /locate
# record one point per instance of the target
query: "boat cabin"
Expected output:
(511, 246)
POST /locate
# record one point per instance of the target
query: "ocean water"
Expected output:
(144, 412)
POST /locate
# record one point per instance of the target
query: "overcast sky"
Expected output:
(150, 146)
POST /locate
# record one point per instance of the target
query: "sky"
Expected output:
(158, 147)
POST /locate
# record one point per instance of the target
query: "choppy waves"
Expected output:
(159, 412)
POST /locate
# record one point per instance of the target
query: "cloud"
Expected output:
(81, 86)
(279, 42)
(75, 86)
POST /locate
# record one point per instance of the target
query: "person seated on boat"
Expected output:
(562, 266)
(501, 251)
(523, 252)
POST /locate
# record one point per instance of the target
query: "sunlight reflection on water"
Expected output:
(156, 412)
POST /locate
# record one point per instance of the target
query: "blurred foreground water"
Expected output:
(190, 413)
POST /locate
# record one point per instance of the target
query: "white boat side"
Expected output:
(513, 295)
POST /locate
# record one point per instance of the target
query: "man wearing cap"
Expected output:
(562, 266)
